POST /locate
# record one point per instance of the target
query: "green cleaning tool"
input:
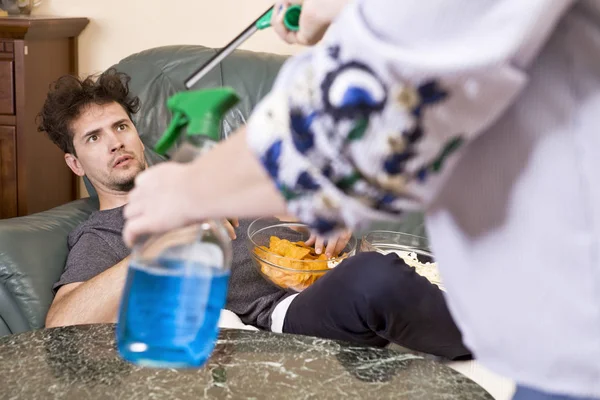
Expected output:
(291, 20)
(199, 112)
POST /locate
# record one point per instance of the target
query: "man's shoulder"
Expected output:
(94, 246)
(104, 225)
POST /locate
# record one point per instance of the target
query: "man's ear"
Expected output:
(74, 164)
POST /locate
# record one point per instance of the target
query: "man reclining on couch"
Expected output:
(368, 299)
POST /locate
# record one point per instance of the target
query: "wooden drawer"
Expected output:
(8, 172)
(7, 47)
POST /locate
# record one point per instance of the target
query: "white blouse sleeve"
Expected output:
(368, 123)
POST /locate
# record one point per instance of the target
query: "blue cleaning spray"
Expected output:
(177, 281)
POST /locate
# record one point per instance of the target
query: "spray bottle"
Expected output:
(177, 281)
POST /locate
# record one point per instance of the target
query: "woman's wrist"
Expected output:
(229, 181)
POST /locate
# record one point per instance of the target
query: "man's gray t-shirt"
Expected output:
(97, 244)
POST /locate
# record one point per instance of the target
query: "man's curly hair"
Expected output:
(69, 96)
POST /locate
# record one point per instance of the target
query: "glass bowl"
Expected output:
(414, 250)
(288, 273)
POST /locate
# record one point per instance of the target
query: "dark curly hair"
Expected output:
(68, 97)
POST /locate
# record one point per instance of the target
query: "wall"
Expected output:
(119, 28)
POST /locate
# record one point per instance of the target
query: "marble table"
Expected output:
(82, 363)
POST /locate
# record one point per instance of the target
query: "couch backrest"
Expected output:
(158, 73)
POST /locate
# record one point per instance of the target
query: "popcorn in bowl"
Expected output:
(414, 250)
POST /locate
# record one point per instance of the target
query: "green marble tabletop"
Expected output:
(82, 363)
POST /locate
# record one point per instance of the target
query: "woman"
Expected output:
(481, 113)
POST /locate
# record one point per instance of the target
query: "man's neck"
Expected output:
(108, 201)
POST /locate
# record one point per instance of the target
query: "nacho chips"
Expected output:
(293, 255)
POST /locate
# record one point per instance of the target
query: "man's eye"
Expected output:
(121, 127)
(93, 138)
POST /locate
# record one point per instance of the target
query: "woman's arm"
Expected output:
(369, 123)
(364, 125)
(227, 181)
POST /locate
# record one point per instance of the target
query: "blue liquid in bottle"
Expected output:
(169, 313)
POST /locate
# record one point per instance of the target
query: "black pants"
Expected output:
(374, 299)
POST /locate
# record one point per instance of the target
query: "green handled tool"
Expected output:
(199, 113)
(291, 20)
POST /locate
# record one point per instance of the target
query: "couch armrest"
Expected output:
(33, 252)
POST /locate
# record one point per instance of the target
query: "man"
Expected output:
(91, 121)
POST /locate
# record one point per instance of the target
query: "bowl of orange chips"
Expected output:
(282, 257)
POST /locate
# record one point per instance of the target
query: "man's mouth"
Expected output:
(122, 161)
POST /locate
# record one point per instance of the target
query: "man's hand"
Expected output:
(230, 224)
(334, 245)
(315, 18)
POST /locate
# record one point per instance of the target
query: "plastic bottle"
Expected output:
(177, 281)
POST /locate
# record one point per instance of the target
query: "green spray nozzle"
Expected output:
(199, 112)
(291, 18)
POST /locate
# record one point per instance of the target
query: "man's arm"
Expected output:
(94, 301)
(89, 296)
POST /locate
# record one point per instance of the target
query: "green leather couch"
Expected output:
(33, 249)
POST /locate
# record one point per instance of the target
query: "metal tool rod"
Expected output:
(223, 53)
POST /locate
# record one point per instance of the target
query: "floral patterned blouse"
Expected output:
(362, 126)
(483, 114)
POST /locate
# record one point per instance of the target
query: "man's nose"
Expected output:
(116, 144)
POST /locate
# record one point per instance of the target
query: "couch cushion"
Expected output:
(159, 73)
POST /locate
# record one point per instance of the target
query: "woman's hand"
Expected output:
(172, 195)
(161, 200)
(315, 18)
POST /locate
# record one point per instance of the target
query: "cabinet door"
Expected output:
(7, 99)
(8, 173)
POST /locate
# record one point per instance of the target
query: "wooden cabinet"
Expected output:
(8, 172)
(34, 52)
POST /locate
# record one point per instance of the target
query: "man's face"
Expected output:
(109, 150)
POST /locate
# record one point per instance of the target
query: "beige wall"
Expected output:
(119, 28)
